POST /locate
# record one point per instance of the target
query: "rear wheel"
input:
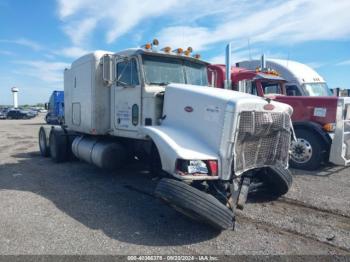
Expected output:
(58, 145)
(308, 151)
(43, 145)
(195, 203)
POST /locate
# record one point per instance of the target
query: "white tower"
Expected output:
(15, 91)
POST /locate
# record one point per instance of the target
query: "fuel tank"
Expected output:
(100, 152)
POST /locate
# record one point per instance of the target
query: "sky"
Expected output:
(39, 39)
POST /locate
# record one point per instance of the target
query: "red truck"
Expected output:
(322, 124)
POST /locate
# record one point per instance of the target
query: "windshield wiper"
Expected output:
(159, 83)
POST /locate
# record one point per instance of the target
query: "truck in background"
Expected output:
(321, 123)
(214, 146)
(55, 108)
(301, 80)
(341, 91)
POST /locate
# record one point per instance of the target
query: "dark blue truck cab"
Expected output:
(55, 107)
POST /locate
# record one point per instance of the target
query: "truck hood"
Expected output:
(202, 110)
(318, 109)
(196, 96)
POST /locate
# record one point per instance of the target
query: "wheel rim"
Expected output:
(301, 151)
(42, 141)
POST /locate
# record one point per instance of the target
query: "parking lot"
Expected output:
(76, 208)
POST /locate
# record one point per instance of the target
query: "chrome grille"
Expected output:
(263, 139)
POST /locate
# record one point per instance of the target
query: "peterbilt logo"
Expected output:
(188, 109)
(269, 107)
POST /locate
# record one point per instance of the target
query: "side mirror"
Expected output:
(46, 106)
(108, 69)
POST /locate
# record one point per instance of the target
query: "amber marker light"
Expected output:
(148, 46)
(329, 127)
(188, 51)
(166, 49)
(178, 51)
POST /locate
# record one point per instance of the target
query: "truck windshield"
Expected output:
(317, 89)
(271, 88)
(163, 70)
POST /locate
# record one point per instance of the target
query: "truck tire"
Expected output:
(43, 145)
(70, 139)
(195, 203)
(308, 151)
(58, 145)
(278, 180)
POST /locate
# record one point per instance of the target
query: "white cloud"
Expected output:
(67, 8)
(50, 72)
(24, 42)
(220, 59)
(78, 31)
(72, 52)
(202, 23)
(284, 23)
(238, 56)
(119, 16)
(344, 63)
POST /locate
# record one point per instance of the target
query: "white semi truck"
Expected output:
(301, 80)
(213, 146)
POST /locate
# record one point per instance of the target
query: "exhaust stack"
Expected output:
(263, 62)
(228, 67)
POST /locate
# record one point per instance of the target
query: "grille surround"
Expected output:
(263, 139)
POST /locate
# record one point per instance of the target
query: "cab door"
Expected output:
(127, 97)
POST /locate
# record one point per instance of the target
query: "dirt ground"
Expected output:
(76, 208)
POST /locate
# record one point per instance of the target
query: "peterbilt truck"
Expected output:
(209, 147)
(321, 123)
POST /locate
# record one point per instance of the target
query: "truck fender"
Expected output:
(314, 128)
(173, 143)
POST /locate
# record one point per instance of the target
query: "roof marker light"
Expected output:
(197, 56)
(155, 42)
(178, 51)
(166, 49)
(188, 51)
(148, 46)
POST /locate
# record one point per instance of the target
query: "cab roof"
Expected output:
(96, 55)
(290, 70)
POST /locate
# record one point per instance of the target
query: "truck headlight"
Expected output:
(197, 167)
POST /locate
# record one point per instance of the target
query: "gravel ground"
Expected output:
(75, 208)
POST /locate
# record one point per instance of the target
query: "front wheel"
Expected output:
(279, 180)
(274, 181)
(308, 151)
(194, 203)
